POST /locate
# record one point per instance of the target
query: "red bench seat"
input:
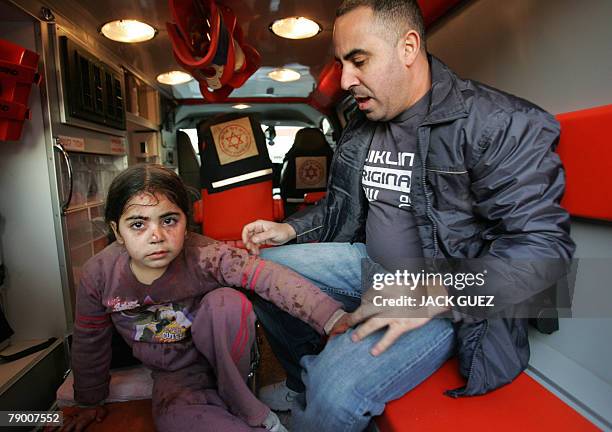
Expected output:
(522, 405)
(585, 148)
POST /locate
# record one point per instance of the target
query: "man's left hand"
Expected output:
(371, 318)
(395, 328)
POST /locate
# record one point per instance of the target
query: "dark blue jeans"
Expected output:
(344, 385)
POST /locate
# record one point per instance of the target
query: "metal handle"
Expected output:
(57, 146)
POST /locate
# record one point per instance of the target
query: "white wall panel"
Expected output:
(33, 289)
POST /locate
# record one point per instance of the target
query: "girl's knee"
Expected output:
(226, 301)
(224, 314)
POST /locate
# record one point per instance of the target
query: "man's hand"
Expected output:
(396, 328)
(82, 417)
(397, 321)
(261, 232)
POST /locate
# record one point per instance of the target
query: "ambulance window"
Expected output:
(328, 131)
(282, 141)
(326, 126)
(193, 137)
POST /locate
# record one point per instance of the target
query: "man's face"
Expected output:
(373, 67)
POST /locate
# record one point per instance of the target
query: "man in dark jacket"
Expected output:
(431, 167)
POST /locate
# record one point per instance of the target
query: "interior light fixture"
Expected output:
(284, 75)
(128, 31)
(174, 77)
(241, 106)
(295, 28)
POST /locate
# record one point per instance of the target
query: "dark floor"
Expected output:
(270, 371)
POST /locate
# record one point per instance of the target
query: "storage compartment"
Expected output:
(18, 71)
(88, 235)
(143, 102)
(93, 90)
(144, 147)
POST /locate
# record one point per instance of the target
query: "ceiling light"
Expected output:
(174, 77)
(129, 31)
(295, 28)
(241, 106)
(284, 75)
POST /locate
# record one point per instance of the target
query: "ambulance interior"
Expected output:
(94, 106)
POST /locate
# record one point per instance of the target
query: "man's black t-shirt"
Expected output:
(387, 179)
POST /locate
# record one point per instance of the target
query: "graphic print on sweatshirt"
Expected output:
(165, 323)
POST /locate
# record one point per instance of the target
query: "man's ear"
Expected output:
(411, 45)
(115, 229)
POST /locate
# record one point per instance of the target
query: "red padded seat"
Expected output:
(224, 214)
(523, 404)
(236, 176)
(585, 148)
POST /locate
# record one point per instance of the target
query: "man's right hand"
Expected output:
(83, 417)
(261, 232)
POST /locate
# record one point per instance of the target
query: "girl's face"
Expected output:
(152, 228)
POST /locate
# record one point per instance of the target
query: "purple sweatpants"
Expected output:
(212, 395)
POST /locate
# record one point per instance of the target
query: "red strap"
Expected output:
(13, 111)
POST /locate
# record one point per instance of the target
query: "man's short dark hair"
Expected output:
(405, 15)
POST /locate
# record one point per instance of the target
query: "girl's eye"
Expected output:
(170, 220)
(137, 225)
(358, 63)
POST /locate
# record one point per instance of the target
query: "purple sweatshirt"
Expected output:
(156, 319)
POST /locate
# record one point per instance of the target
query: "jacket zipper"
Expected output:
(336, 155)
(480, 337)
(462, 391)
(428, 202)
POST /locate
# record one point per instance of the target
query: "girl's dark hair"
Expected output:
(144, 178)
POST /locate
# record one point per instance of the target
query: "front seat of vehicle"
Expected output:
(236, 175)
(305, 168)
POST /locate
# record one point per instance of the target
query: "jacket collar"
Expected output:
(447, 103)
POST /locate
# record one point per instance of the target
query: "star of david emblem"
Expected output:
(311, 172)
(235, 140)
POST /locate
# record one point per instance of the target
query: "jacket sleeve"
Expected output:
(308, 223)
(283, 287)
(518, 182)
(91, 343)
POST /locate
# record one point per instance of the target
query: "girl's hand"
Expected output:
(82, 417)
(342, 325)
